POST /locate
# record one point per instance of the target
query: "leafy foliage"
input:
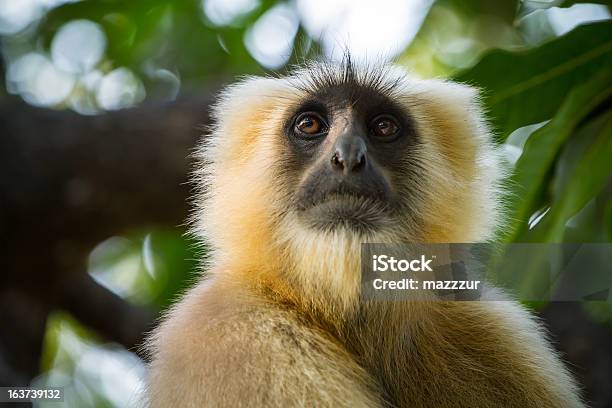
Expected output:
(567, 82)
(521, 88)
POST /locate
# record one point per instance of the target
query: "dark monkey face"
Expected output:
(352, 147)
(332, 155)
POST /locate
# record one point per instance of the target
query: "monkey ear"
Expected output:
(468, 93)
(456, 95)
(455, 104)
(468, 97)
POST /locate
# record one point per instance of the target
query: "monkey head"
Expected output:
(297, 171)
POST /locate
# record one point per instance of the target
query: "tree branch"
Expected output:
(108, 314)
(67, 182)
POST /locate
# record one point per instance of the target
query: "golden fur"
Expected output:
(279, 320)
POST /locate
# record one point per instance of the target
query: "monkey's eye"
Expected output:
(310, 124)
(384, 126)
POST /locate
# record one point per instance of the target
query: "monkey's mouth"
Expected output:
(354, 211)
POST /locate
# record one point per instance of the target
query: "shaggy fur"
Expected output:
(279, 320)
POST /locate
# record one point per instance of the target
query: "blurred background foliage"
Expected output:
(544, 68)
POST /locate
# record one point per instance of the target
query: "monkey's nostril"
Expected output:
(360, 161)
(337, 161)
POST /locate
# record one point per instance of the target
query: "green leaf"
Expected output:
(543, 145)
(570, 3)
(608, 219)
(506, 10)
(589, 168)
(523, 88)
(177, 265)
(532, 5)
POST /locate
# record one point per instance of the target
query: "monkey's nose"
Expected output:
(349, 155)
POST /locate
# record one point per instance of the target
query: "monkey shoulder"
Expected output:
(492, 353)
(223, 347)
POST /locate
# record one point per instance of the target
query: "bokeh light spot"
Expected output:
(15, 15)
(225, 12)
(374, 29)
(38, 80)
(78, 46)
(270, 40)
(564, 20)
(119, 89)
